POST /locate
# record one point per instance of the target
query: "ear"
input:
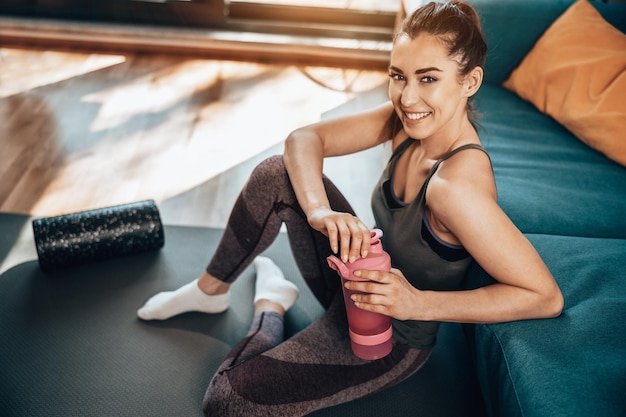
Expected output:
(473, 81)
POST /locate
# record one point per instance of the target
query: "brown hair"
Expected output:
(458, 26)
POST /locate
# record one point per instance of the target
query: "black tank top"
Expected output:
(411, 249)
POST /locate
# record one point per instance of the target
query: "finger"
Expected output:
(373, 308)
(361, 239)
(366, 287)
(372, 275)
(396, 271)
(331, 230)
(356, 241)
(369, 301)
(367, 238)
(344, 241)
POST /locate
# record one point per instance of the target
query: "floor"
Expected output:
(80, 131)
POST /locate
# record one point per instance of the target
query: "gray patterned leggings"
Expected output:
(265, 375)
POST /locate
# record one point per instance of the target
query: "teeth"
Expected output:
(417, 116)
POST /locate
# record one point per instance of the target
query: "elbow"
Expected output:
(289, 149)
(552, 306)
(304, 142)
(289, 142)
(559, 304)
(295, 140)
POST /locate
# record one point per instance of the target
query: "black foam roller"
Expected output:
(94, 235)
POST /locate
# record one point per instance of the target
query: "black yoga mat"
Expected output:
(94, 235)
(75, 347)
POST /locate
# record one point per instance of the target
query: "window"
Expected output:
(370, 17)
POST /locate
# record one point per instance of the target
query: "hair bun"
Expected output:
(467, 10)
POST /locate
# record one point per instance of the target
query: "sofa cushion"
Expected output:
(503, 23)
(574, 365)
(512, 27)
(549, 182)
(575, 73)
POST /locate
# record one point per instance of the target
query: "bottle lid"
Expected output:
(375, 236)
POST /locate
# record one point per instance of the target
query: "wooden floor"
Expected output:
(81, 131)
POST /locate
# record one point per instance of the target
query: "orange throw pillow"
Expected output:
(576, 73)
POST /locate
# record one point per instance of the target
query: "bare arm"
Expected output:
(467, 207)
(305, 150)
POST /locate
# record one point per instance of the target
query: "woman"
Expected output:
(435, 202)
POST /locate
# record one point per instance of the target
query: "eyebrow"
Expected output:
(419, 71)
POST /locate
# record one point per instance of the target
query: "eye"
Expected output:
(428, 79)
(396, 77)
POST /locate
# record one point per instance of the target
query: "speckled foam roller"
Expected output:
(94, 235)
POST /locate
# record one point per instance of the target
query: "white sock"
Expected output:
(272, 285)
(187, 298)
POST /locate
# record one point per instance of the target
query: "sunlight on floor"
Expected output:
(160, 131)
(154, 93)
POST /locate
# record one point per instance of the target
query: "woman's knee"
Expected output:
(218, 398)
(270, 170)
(222, 400)
(269, 182)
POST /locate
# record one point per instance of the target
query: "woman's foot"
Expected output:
(189, 297)
(272, 291)
(210, 295)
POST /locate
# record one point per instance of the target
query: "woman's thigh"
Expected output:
(314, 369)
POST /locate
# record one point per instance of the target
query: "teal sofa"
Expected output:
(570, 201)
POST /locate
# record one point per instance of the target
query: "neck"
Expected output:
(448, 139)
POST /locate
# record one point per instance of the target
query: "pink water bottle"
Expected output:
(370, 333)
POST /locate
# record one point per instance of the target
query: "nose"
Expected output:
(410, 95)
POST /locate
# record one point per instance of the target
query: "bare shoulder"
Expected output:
(465, 178)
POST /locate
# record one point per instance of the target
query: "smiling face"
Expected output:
(428, 94)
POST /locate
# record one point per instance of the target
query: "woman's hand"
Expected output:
(347, 234)
(387, 293)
